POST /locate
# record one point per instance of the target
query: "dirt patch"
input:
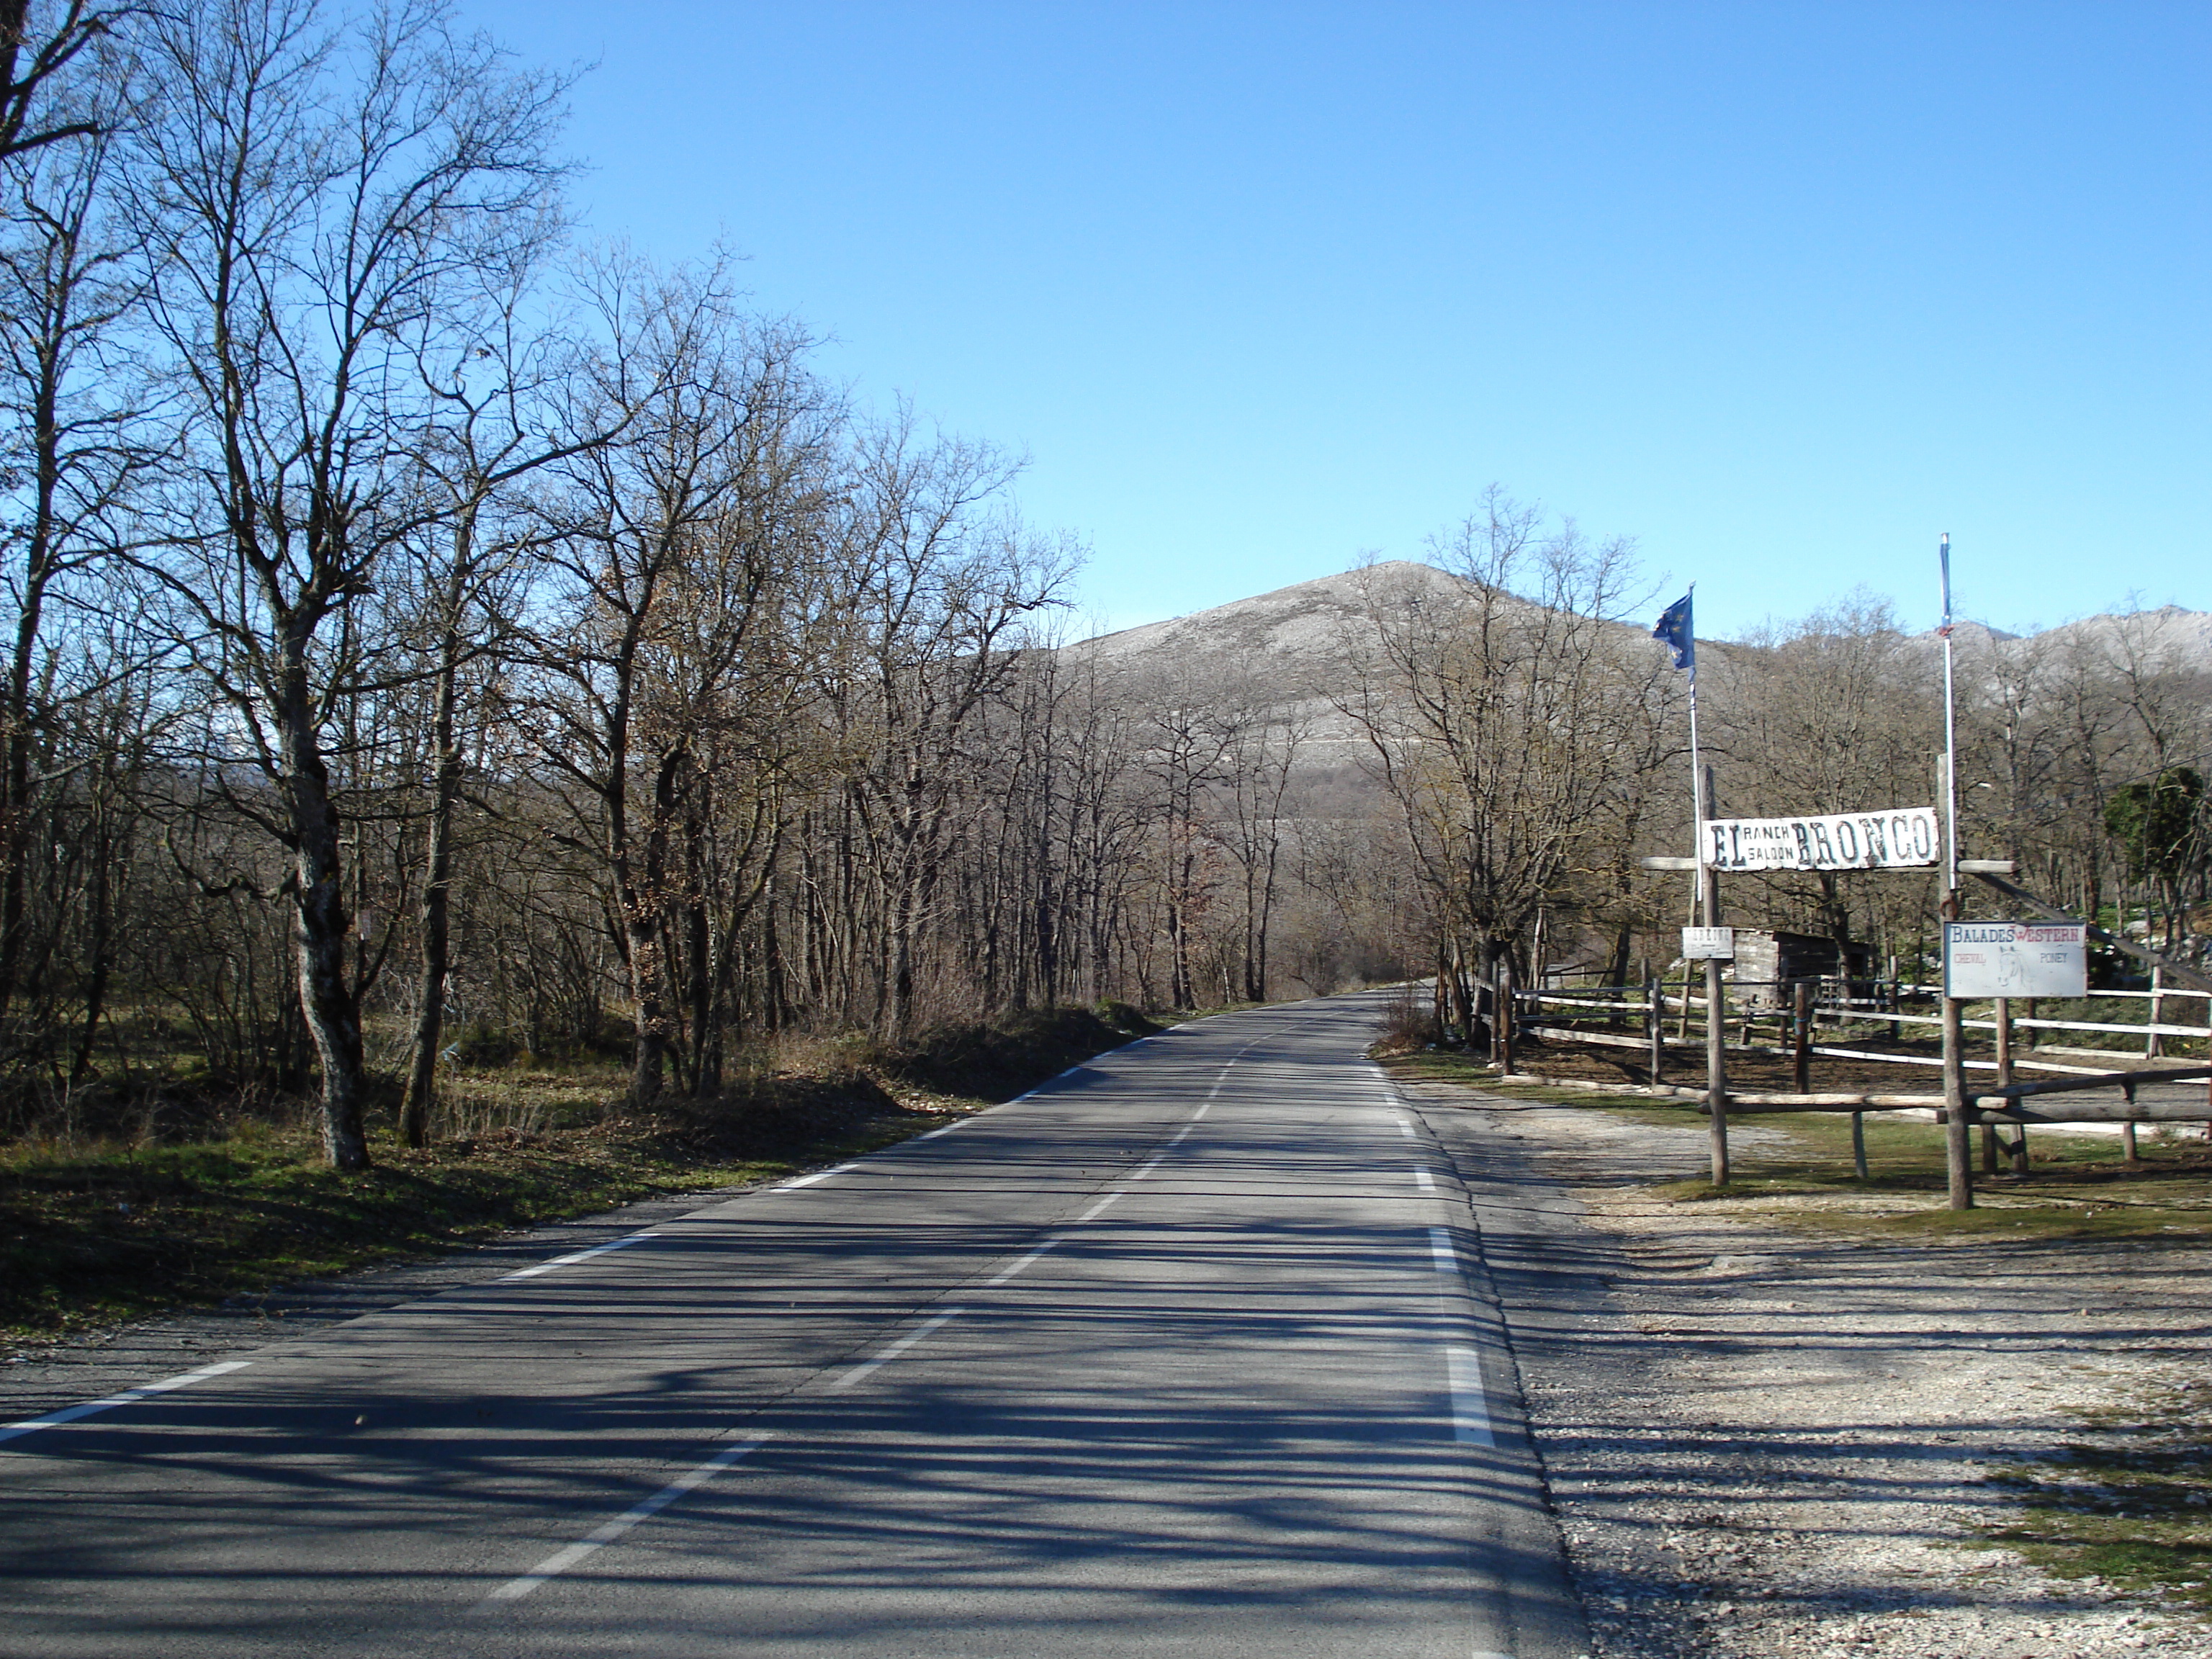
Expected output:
(1764, 1439)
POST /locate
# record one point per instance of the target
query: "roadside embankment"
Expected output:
(95, 1233)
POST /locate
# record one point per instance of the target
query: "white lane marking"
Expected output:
(819, 1174)
(1176, 1140)
(561, 1560)
(933, 1134)
(1428, 1183)
(1098, 1208)
(1405, 1129)
(1441, 1251)
(1470, 1406)
(1462, 1364)
(581, 1255)
(54, 1419)
(1005, 1274)
(895, 1350)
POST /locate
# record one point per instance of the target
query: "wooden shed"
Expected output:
(1766, 961)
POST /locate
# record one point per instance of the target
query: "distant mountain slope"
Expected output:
(1293, 633)
(1305, 622)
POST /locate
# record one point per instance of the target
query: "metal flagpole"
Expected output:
(1697, 903)
(1950, 733)
(1678, 628)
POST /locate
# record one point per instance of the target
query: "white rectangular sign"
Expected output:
(1903, 838)
(2015, 959)
(1701, 943)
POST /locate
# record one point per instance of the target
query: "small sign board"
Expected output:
(1700, 944)
(2015, 959)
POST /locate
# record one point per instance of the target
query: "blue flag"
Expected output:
(1676, 632)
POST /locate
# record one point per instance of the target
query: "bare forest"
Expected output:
(440, 638)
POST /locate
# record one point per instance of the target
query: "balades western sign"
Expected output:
(1905, 838)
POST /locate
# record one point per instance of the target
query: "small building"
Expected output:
(1767, 961)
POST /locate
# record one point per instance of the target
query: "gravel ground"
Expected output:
(1765, 1442)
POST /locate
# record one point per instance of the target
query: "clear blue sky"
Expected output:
(1781, 290)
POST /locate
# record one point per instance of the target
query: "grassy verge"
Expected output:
(2130, 1502)
(92, 1234)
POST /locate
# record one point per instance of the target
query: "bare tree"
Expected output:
(32, 62)
(1496, 705)
(670, 555)
(313, 194)
(74, 441)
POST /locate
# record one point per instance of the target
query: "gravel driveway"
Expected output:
(1764, 1441)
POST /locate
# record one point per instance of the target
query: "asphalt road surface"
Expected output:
(1192, 1352)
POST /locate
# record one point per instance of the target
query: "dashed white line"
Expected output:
(1405, 1129)
(809, 1180)
(1427, 1181)
(888, 1354)
(581, 1255)
(561, 1560)
(1005, 1274)
(54, 1419)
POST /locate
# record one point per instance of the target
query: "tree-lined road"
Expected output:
(1188, 1352)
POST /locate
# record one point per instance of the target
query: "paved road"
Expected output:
(1192, 1352)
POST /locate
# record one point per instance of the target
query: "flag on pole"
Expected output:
(1943, 558)
(1676, 632)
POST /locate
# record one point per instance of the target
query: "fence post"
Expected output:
(1802, 1034)
(2019, 1147)
(1716, 1035)
(1503, 991)
(2153, 1044)
(1655, 1024)
(1957, 1140)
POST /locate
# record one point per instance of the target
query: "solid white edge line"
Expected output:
(887, 1355)
(581, 1255)
(128, 1397)
(561, 1560)
(1098, 1208)
(1470, 1410)
(1441, 1251)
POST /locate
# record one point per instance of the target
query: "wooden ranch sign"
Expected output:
(1905, 838)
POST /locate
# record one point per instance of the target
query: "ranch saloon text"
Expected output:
(1901, 839)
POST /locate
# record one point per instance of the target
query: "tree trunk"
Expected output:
(437, 886)
(326, 999)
